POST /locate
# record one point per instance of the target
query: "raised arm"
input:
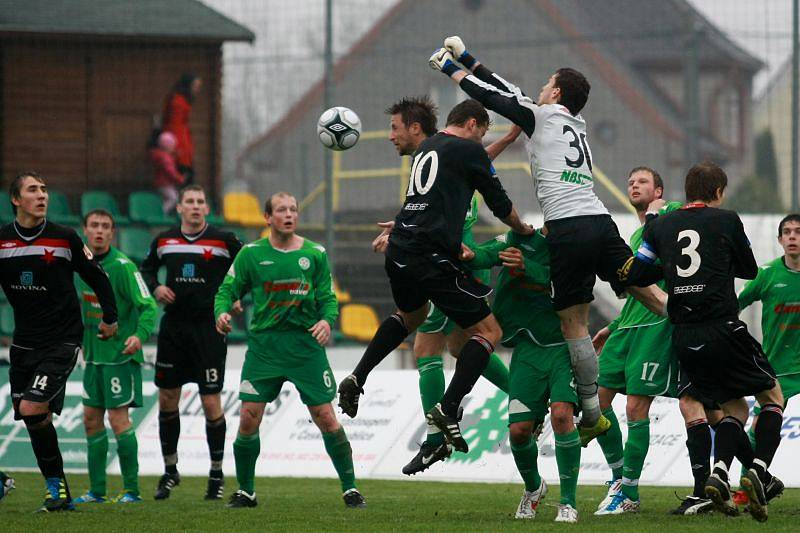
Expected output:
(488, 88)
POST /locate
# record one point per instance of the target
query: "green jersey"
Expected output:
(634, 314)
(778, 288)
(483, 275)
(136, 307)
(292, 290)
(522, 302)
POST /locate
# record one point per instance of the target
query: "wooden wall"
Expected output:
(81, 113)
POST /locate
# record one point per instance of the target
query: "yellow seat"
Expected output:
(359, 322)
(343, 297)
(242, 208)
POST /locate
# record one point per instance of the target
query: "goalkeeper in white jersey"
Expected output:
(581, 236)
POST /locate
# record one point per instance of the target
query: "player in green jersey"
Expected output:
(636, 359)
(294, 311)
(412, 121)
(540, 371)
(112, 379)
(777, 286)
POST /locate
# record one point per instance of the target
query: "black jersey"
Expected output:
(445, 173)
(702, 249)
(196, 266)
(37, 267)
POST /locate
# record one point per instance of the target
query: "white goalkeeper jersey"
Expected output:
(561, 164)
(561, 161)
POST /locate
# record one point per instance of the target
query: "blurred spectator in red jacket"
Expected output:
(167, 177)
(175, 120)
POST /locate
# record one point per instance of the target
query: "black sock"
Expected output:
(169, 429)
(725, 444)
(390, 334)
(44, 442)
(698, 442)
(215, 437)
(744, 450)
(768, 438)
(471, 363)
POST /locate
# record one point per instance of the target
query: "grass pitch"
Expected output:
(290, 504)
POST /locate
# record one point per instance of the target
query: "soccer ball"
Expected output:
(339, 128)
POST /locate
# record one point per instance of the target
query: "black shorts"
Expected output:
(190, 352)
(40, 374)
(582, 248)
(722, 361)
(417, 279)
(686, 388)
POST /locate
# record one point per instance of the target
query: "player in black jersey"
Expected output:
(702, 249)
(37, 262)
(196, 257)
(422, 259)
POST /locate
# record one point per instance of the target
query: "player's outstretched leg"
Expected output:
(339, 450)
(389, 335)
(6, 484)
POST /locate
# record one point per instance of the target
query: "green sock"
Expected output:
(338, 448)
(611, 444)
(525, 456)
(431, 390)
(635, 452)
(97, 452)
(246, 449)
(128, 452)
(497, 372)
(568, 458)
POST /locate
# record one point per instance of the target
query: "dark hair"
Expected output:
(268, 203)
(466, 110)
(192, 187)
(184, 85)
(703, 180)
(574, 89)
(657, 181)
(419, 109)
(101, 213)
(15, 190)
(791, 217)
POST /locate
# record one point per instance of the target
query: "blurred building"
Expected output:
(636, 54)
(83, 83)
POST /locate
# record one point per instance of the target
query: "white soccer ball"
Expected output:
(339, 128)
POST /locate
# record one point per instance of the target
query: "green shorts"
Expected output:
(112, 386)
(640, 361)
(264, 371)
(437, 322)
(538, 375)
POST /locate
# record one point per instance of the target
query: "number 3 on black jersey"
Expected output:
(689, 250)
(417, 168)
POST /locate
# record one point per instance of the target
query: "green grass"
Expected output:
(316, 505)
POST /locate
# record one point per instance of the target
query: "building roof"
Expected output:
(185, 20)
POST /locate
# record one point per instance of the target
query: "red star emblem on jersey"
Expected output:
(49, 256)
(208, 254)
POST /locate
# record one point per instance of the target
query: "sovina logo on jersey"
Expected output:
(26, 283)
(188, 274)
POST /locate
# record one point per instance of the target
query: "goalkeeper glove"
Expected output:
(443, 60)
(457, 47)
